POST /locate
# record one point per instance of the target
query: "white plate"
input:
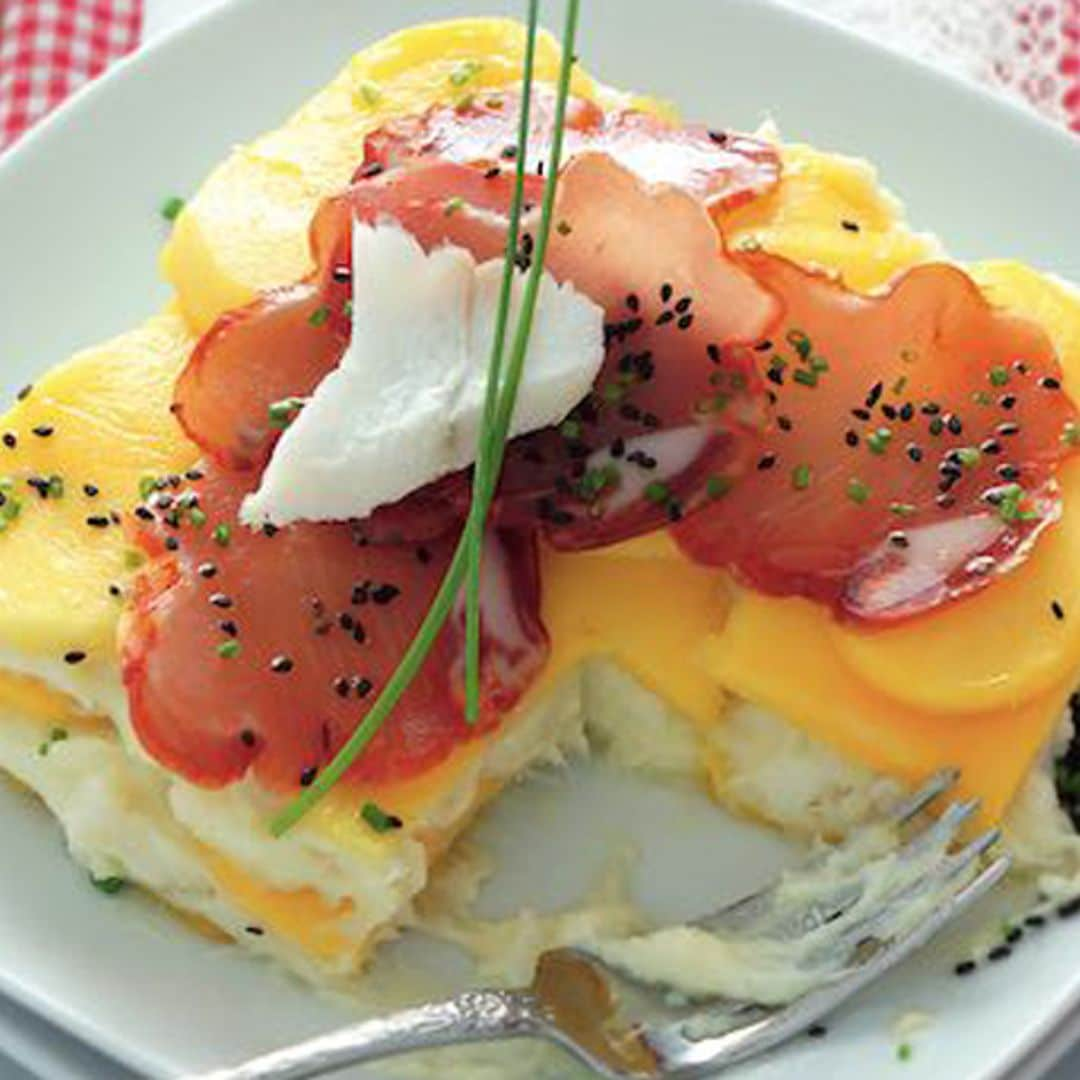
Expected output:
(78, 236)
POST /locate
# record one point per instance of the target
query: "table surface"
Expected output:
(65, 1058)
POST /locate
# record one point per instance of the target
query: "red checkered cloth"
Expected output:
(1030, 48)
(49, 48)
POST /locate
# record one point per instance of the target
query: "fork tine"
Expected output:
(943, 830)
(684, 1055)
(937, 784)
(978, 847)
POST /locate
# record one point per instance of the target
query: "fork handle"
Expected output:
(473, 1016)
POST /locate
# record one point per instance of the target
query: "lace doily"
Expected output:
(1028, 49)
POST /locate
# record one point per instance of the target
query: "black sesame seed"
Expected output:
(247, 737)
(75, 656)
(1008, 472)
(341, 686)
(91, 491)
(954, 424)
(307, 777)
(171, 543)
(1007, 401)
(281, 665)
(990, 446)
(784, 423)
(359, 634)
(115, 590)
(25, 392)
(930, 408)
(766, 462)
(43, 431)
(889, 411)
(491, 173)
(194, 475)
(851, 438)
(849, 226)
(363, 687)
(999, 952)
(713, 352)
(1070, 908)
(965, 967)
(270, 531)
(907, 412)
(1036, 922)
(682, 305)
(632, 302)
(666, 291)
(1050, 383)
(372, 168)
(817, 1031)
(1058, 610)
(423, 555)
(144, 513)
(384, 594)
(10, 440)
(861, 414)
(899, 539)
(650, 420)
(207, 570)
(98, 521)
(1013, 935)
(664, 317)
(227, 626)
(914, 452)
(1020, 367)
(1008, 429)
(685, 322)
(874, 396)
(346, 621)
(220, 600)
(254, 931)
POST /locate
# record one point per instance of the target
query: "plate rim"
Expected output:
(1058, 1030)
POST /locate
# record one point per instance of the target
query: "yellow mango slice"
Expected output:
(650, 615)
(804, 220)
(246, 228)
(107, 411)
(773, 653)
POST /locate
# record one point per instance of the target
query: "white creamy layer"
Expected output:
(405, 405)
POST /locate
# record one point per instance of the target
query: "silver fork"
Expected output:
(624, 1028)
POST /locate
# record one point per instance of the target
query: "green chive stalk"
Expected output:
(491, 393)
(492, 440)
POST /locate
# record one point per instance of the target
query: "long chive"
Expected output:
(491, 393)
(483, 483)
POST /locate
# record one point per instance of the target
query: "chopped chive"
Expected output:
(229, 649)
(196, 517)
(147, 486)
(716, 487)
(570, 429)
(453, 205)
(108, 885)
(379, 819)
(347, 308)
(999, 375)
(367, 93)
(656, 492)
(171, 207)
(319, 316)
(465, 71)
(58, 734)
(1070, 433)
(857, 491)
(282, 413)
(804, 377)
(901, 509)
(878, 441)
(222, 534)
(904, 1052)
(818, 364)
(900, 385)
(133, 559)
(969, 456)
(800, 477)
(564, 228)
(800, 343)
(56, 486)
